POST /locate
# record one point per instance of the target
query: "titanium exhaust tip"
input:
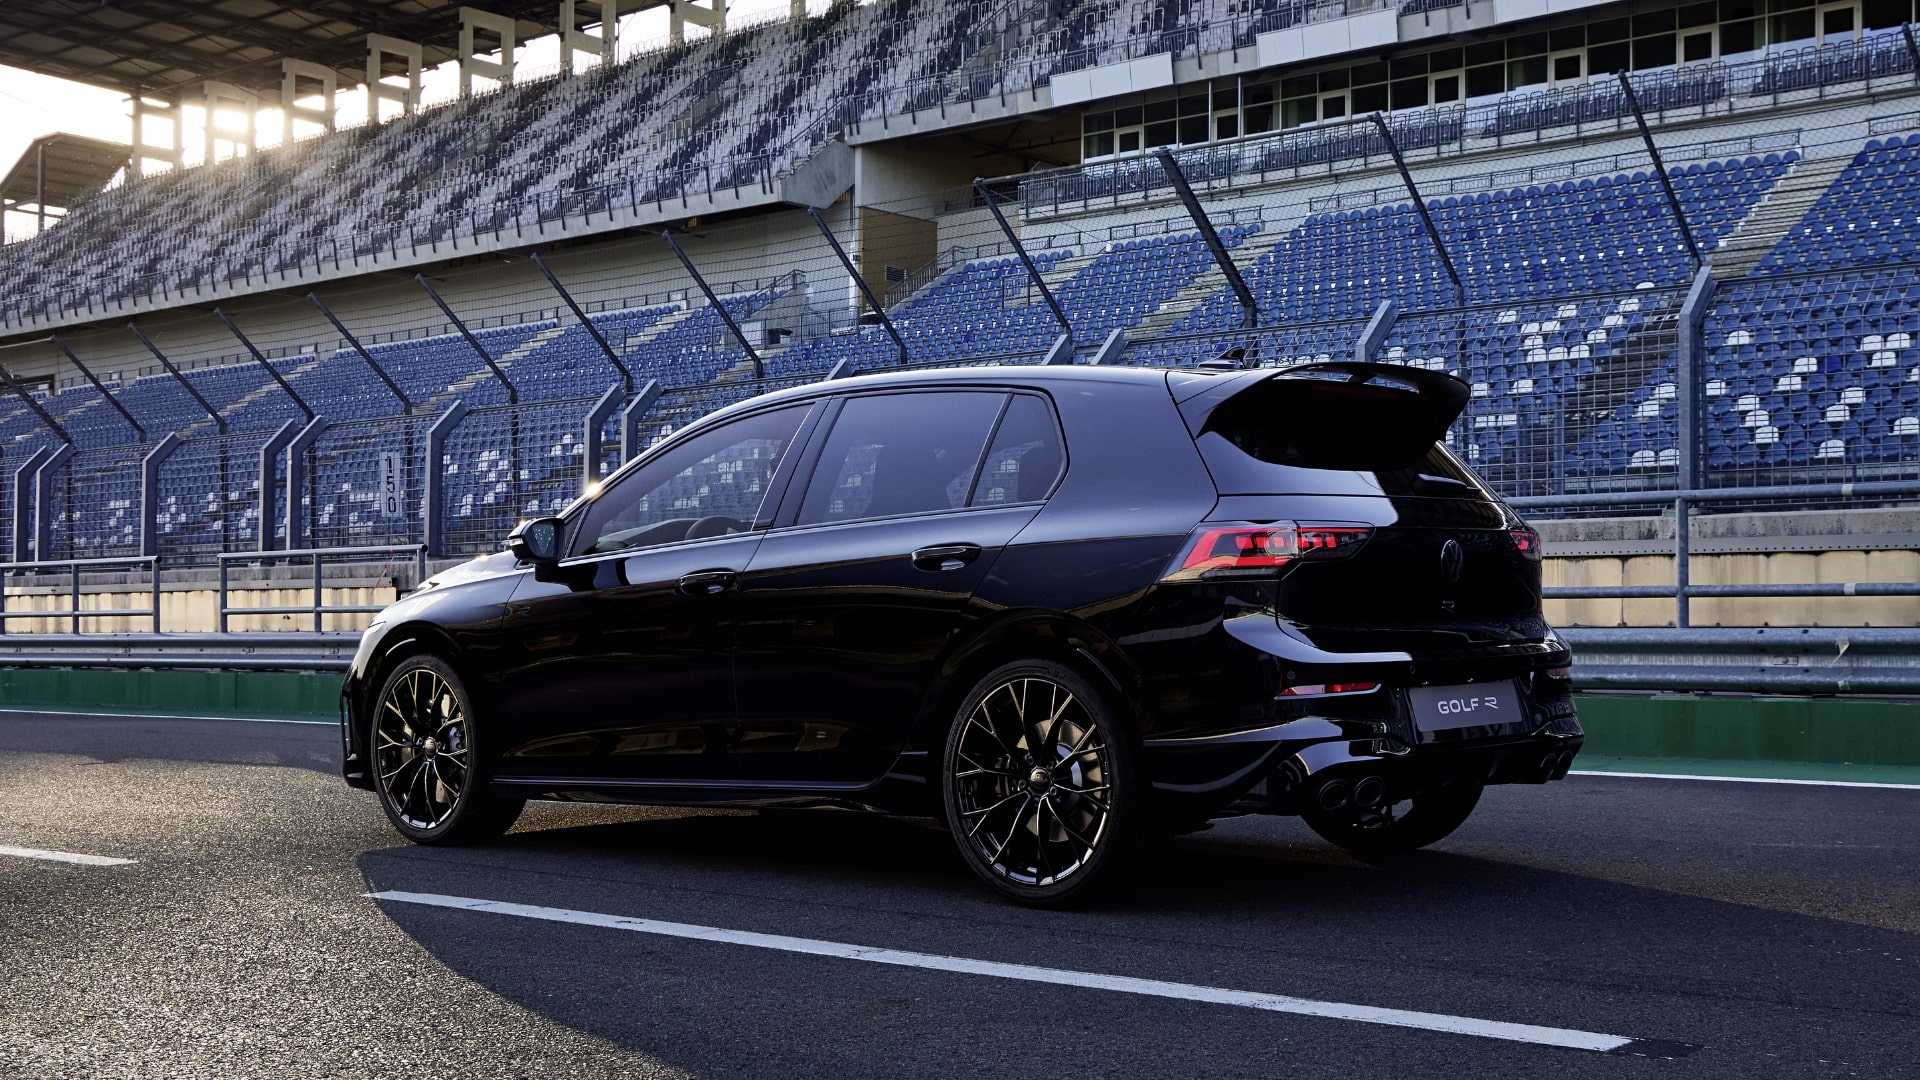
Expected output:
(1333, 795)
(1369, 792)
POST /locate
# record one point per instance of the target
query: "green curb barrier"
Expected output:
(264, 695)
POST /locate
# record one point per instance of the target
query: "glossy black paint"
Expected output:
(824, 666)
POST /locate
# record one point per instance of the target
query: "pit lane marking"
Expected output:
(63, 856)
(1567, 1038)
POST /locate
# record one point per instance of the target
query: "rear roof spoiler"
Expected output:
(1383, 414)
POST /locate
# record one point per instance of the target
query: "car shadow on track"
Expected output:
(1227, 908)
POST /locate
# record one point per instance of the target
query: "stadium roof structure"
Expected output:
(60, 170)
(158, 45)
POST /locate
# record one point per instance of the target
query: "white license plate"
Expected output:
(1444, 708)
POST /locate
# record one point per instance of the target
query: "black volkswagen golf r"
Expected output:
(1069, 611)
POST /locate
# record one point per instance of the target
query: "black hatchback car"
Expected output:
(1069, 611)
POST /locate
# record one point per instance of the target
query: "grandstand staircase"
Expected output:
(474, 378)
(270, 387)
(1197, 292)
(1066, 269)
(1774, 216)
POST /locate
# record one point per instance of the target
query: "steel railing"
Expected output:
(318, 608)
(74, 569)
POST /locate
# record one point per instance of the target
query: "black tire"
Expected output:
(1426, 818)
(1042, 788)
(428, 763)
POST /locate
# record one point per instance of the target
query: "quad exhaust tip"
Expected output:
(1369, 792)
(1334, 795)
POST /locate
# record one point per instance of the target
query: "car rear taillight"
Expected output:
(1526, 542)
(1329, 689)
(1250, 550)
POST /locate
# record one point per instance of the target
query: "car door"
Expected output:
(621, 667)
(848, 603)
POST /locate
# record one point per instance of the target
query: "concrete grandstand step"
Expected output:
(1196, 293)
(1774, 216)
(506, 362)
(271, 387)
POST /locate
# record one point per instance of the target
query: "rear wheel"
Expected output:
(1412, 823)
(1042, 787)
(427, 762)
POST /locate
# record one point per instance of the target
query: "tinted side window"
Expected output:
(1025, 458)
(894, 454)
(708, 485)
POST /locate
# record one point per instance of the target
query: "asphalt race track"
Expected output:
(1603, 926)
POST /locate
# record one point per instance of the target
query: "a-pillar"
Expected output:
(292, 74)
(170, 153)
(475, 27)
(577, 15)
(682, 12)
(218, 98)
(381, 48)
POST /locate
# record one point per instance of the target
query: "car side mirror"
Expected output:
(536, 543)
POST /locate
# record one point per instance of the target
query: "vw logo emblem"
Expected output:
(1453, 559)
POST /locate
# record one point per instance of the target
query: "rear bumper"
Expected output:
(1281, 753)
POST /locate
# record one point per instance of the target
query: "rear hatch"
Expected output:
(1399, 545)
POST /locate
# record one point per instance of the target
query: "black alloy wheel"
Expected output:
(427, 766)
(1041, 790)
(1424, 818)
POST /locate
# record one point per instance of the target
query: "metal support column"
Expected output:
(1374, 334)
(590, 439)
(626, 377)
(865, 289)
(26, 398)
(630, 417)
(305, 410)
(1111, 349)
(150, 491)
(23, 505)
(269, 492)
(347, 336)
(213, 414)
(433, 526)
(297, 480)
(138, 427)
(1682, 562)
(1420, 204)
(513, 392)
(759, 369)
(1250, 311)
(1033, 272)
(42, 502)
(1693, 373)
(1660, 169)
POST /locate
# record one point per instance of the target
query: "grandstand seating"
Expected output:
(732, 110)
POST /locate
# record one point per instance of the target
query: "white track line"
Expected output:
(1366, 1014)
(1745, 779)
(160, 716)
(63, 856)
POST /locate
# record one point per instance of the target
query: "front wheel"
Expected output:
(1425, 818)
(427, 761)
(1042, 787)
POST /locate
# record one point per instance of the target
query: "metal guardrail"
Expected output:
(1762, 660)
(232, 652)
(1753, 660)
(318, 608)
(73, 567)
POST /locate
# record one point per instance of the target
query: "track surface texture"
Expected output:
(1749, 929)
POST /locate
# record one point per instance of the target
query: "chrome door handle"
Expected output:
(708, 582)
(946, 556)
